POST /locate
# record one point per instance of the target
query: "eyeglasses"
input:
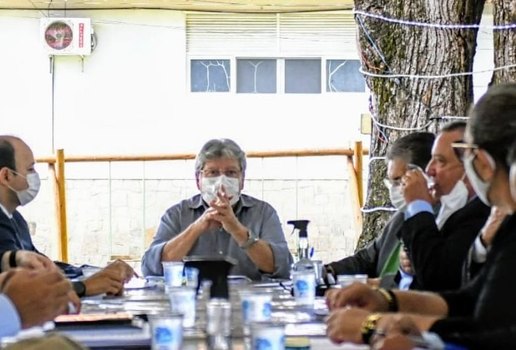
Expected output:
(216, 173)
(391, 183)
(460, 147)
(464, 145)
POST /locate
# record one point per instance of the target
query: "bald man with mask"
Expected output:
(19, 185)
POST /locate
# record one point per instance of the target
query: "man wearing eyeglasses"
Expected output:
(221, 220)
(438, 246)
(380, 259)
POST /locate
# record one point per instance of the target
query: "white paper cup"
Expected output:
(166, 331)
(173, 273)
(182, 300)
(256, 307)
(267, 335)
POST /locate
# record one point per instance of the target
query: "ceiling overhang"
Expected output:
(256, 6)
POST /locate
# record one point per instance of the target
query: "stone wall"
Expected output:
(110, 216)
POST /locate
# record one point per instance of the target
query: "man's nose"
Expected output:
(430, 170)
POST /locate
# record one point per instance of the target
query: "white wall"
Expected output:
(131, 95)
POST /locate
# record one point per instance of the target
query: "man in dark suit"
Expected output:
(438, 246)
(380, 258)
(19, 185)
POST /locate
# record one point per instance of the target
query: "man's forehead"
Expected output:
(21, 150)
(222, 161)
(396, 164)
(444, 140)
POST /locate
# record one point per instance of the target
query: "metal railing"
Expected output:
(56, 164)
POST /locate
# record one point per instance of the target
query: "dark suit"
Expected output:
(371, 259)
(482, 313)
(438, 256)
(14, 233)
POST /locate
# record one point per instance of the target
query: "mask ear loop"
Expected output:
(512, 181)
(490, 160)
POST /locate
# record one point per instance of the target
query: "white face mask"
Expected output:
(480, 186)
(34, 184)
(211, 185)
(396, 197)
(451, 202)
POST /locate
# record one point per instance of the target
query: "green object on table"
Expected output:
(393, 262)
(297, 343)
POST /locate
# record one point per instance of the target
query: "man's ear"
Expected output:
(485, 165)
(242, 182)
(198, 181)
(4, 175)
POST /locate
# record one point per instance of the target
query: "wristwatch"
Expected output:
(368, 327)
(79, 288)
(251, 239)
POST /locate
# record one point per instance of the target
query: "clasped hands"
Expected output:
(351, 306)
(220, 214)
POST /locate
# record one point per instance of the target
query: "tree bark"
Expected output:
(504, 12)
(412, 103)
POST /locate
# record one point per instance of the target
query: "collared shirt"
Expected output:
(406, 280)
(257, 216)
(10, 322)
(9, 215)
(479, 252)
(416, 207)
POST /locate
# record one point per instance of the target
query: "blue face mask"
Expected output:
(480, 186)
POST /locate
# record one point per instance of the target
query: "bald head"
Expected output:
(15, 154)
(16, 163)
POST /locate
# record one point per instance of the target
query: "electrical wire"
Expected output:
(434, 25)
(372, 210)
(433, 76)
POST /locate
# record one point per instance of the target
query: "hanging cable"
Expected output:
(434, 25)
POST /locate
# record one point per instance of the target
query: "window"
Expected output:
(303, 76)
(210, 75)
(344, 76)
(256, 76)
(267, 75)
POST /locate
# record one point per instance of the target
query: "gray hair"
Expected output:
(220, 148)
(415, 148)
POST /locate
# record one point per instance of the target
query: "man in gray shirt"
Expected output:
(221, 220)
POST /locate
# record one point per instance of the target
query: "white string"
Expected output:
(372, 159)
(400, 128)
(435, 25)
(453, 117)
(442, 76)
(371, 210)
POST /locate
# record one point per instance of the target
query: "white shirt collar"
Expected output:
(9, 215)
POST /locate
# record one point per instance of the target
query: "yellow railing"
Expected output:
(57, 172)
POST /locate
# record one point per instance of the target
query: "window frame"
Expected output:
(280, 72)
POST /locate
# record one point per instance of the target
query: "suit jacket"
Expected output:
(481, 314)
(371, 259)
(438, 256)
(14, 233)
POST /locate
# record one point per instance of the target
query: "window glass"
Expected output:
(210, 75)
(344, 76)
(303, 76)
(256, 76)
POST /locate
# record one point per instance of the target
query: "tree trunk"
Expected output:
(392, 48)
(504, 12)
